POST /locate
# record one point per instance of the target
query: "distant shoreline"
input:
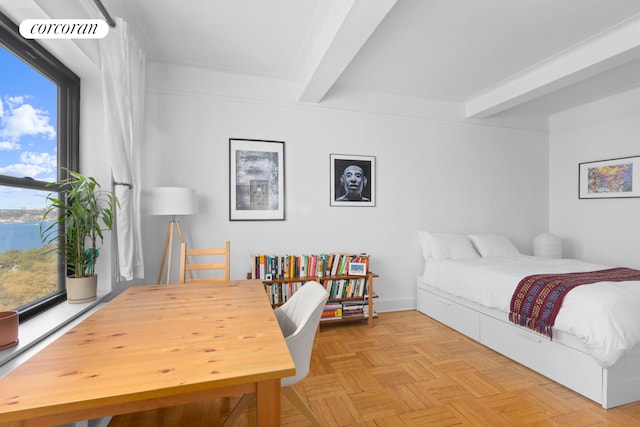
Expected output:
(21, 215)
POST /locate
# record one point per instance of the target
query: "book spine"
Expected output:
(320, 266)
(261, 268)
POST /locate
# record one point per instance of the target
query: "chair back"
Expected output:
(299, 318)
(215, 261)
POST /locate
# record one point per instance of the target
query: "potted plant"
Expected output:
(84, 211)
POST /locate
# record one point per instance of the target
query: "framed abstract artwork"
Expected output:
(612, 178)
(353, 180)
(256, 180)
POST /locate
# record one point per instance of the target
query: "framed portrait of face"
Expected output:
(353, 180)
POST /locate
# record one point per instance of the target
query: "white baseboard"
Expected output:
(399, 304)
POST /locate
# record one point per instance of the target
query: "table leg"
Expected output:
(268, 403)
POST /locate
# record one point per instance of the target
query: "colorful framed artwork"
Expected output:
(613, 178)
(353, 180)
(256, 180)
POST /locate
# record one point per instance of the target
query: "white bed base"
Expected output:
(563, 360)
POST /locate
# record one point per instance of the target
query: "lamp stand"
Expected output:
(168, 247)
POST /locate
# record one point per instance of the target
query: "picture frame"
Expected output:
(256, 180)
(608, 179)
(361, 170)
(357, 269)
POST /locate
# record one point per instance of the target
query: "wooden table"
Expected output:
(155, 346)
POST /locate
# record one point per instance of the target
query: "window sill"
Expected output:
(39, 331)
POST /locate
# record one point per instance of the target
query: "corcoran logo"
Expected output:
(63, 28)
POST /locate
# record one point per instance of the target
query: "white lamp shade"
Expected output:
(173, 201)
(547, 245)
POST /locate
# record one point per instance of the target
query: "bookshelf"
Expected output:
(351, 296)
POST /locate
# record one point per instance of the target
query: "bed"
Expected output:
(468, 283)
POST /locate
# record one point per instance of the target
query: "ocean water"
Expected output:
(19, 235)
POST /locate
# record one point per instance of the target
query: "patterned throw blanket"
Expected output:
(537, 299)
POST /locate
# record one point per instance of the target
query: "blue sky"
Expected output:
(27, 129)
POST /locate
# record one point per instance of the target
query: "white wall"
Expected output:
(432, 174)
(603, 231)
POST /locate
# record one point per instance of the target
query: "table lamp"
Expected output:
(172, 201)
(547, 245)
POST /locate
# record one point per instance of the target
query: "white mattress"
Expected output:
(605, 316)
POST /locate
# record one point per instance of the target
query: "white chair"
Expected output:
(298, 318)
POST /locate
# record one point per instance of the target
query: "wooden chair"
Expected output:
(298, 318)
(187, 266)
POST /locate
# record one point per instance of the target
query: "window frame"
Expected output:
(68, 134)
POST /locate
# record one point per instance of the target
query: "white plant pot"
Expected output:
(82, 289)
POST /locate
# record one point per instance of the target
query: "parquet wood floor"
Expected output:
(409, 370)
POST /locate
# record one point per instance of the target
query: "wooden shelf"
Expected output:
(347, 319)
(367, 299)
(362, 298)
(319, 278)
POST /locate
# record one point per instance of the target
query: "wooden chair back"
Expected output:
(215, 261)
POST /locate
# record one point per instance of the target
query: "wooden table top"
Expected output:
(151, 342)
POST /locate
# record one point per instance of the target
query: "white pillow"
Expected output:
(493, 245)
(446, 246)
(425, 240)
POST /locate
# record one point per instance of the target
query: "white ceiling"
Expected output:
(489, 55)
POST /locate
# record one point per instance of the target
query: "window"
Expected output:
(39, 126)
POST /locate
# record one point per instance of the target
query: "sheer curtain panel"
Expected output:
(123, 88)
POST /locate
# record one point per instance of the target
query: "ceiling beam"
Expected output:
(606, 51)
(346, 28)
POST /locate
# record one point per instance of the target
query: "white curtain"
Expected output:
(123, 89)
